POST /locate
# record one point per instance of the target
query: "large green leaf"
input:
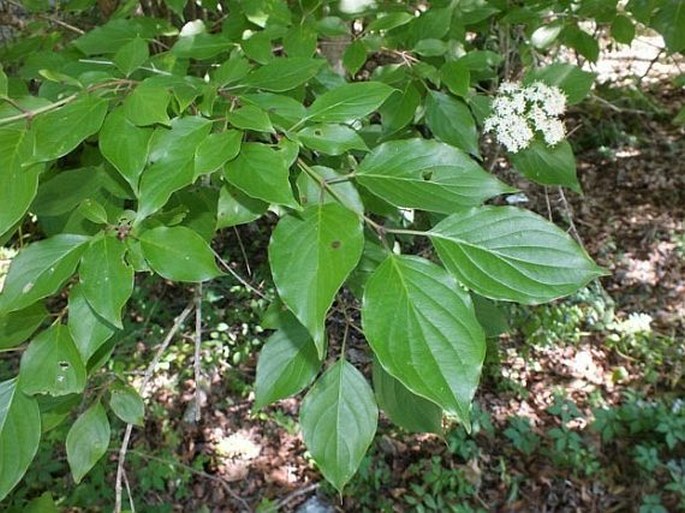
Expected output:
(312, 191)
(201, 46)
(349, 102)
(178, 253)
(548, 165)
(235, 207)
(127, 404)
(512, 254)
(40, 269)
(87, 440)
(88, 330)
(15, 327)
(64, 191)
(423, 330)
(250, 117)
(288, 362)
(403, 407)
(427, 175)
(52, 365)
(262, 172)
(19, 434)
(106, 278)
(284, 73)
(284, 111)
(399, 109)
(147, 105)
(131, 56)
(669, 21)
(125, 145)
(216, 150)
(59, 131)
(19, 183)
(110, 37)
(172, 158)
(311, 254)
(331, 139)
(451, 121)
(339, 418)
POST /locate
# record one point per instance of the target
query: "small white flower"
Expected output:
(518, 112)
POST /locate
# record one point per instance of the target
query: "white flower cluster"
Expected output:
(635, 323)
(518, 112)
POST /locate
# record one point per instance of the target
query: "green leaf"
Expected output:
(147, 105)
(669, 21)
(19, 434)
(349, 102)
(231, 71)
(250, 117)
(87, 441)
(390, 21)
(331, 139)
(106, 278)
(339, 418)
(40, 269)
(406, 409)
(215, 150)
(451, 121)
(178, 253)
(235, 207)
(399, 109)
(63, 192)
(172, 162)
(428, 175)
(544, 36)
(283, 110)
(548, 165)
(585, 44)
(430, 47)
(125, 146)
(354, 57)
(493, 320)
(287, 363)
(127, 404)
(258, 47)
(15, 327)
(88, 330)
(623, 30)
(457, 77)
(575, 82)
(58, 132)
(300, 41)
(111, 36)
(3, 83)
(52, 365)
(201, 46)
(131, 56)
(19, 183)
(43, 504)
(422, 328)
(311, 254)
(262, 172)
(312, 191)
(283, 73)
(93, 211)
(512, 254)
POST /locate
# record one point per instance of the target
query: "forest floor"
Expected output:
(620, 343)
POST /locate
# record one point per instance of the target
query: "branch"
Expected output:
(197, 364)
(146, 380)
